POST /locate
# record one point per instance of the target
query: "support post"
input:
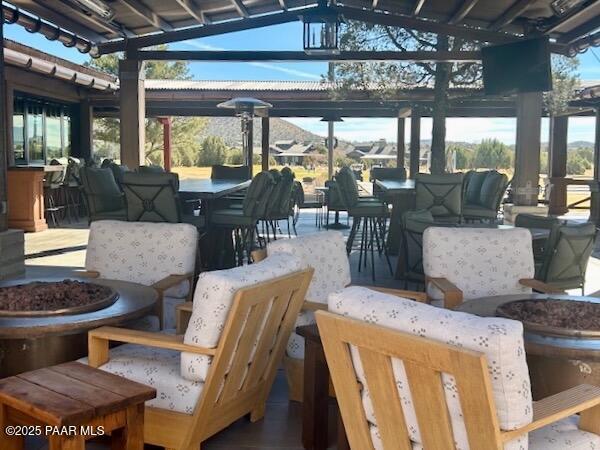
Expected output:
(401, 149)
(330, 144)
(265, 129)
(595, 186)
(527, 153)
(4, 150)
(132, 113)
(250, 147)
(557, 165)
(415, 142)
(84, 131)
(167, 155)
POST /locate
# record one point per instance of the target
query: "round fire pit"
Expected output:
(562, 336)
(52, 326)
(52, 298)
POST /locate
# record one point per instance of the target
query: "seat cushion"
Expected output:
(501, 340)
(478, 212)
(234, 217)
(481, 262)
(158, 368)
(563, 435)
(369, 209)
(213, 298)
(141, 252)
(118, 214)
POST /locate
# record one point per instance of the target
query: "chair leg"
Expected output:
(373, 231)
(352, 235)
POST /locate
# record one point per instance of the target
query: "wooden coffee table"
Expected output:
(70, 403)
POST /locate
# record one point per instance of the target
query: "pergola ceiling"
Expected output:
(506, 18)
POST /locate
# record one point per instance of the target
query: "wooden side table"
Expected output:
(315, 407)
(68, 404)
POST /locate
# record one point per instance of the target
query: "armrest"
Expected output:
(453, 296)
(420, 297)
(183, 313)
(540, 286)
(259, 255)
(170, 281)
(314, 306)
(584, 399)
(99, 339)
(87, 273)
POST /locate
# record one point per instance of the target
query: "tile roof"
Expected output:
(232, 85)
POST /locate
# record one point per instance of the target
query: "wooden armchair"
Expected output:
(467, 263)
(486, 405)
(240, 369)
(161, 255)
(325, 252)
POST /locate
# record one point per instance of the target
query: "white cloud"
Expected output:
(274, 67)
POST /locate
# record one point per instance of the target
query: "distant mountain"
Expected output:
(580, 144)
(229, 129)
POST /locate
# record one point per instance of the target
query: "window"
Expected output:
(41, 130)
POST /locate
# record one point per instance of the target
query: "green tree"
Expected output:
(184, 144)
(565, 80)
(576, 165)
(235, 157)
(213, 151)
(492, 154)
(388, 79)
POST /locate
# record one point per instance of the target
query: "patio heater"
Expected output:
(246, 108)
(331, 118)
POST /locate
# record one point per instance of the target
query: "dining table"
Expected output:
(401, 195)
(217, 245)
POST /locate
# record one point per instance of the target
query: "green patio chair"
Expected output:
(151, 197)
(280, 205)
(442, 195)
(104, 199)
(118, 171)
(532, 221)
(301, 201)
(242, 221)
(567, 254)
(220, 172)
(483, 193)
(151, 169)
(386, 173)
(369, 213)
(333, 201)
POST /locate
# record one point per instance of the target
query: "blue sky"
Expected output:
(289, 37)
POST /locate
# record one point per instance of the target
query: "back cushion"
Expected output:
(326, 253)
(490, 189)
(475, 181)
(501, 340)
(102, 183)
(481, 262)
(213, 298)
(141, 252)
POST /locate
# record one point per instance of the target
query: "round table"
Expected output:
(29, 343)
(556, 362)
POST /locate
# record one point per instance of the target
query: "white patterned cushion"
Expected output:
(326, 253)
(212, 301)
(158, 368)
(141, 252)
(481, 262)
(563, 435)
(501, 340)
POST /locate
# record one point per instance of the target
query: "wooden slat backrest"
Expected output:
(241, 372)
(424, 361)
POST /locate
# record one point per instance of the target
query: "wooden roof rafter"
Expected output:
(417, 7)
(147, 14)
(462, 12)
(190, 7)
(241, 8)
(518, 8)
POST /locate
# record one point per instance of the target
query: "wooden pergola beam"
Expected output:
(199, 32)
(580, 31)
(147, 14)
(240, 8)
(350, 56)
(417, 7)
(192, 9)
(511, 14)
(592, 11)
(429, 26)
(462, 12)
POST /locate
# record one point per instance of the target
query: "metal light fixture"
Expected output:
(245, 108)
(563, 7)
(322, 30)
(94, 7)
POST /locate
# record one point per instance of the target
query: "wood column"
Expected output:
(595, 186)
(167, 154)
(557, 165)
(132, 113)
(527, 153)
(265, 129)
(401, 149)
(83, 131)
(4, 132)
(415, 142)
(330, 144)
